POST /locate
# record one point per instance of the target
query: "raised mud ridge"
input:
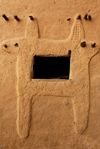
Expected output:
(77, 87)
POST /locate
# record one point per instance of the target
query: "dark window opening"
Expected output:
(51, 67)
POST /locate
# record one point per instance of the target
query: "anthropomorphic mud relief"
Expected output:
(77, 86)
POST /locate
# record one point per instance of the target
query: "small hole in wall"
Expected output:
(51, 67)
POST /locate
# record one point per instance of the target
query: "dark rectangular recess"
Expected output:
(51, 67)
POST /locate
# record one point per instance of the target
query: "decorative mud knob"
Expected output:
(5, 45)
(86, 16)
(65, 102)
(83, 44)
(16, 44)
(31, 17)
(5, 17)
(79, 17)
(16, 18)
(89, 17)
(68, 19)
(93, 45)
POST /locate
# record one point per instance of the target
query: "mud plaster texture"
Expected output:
(34, 113)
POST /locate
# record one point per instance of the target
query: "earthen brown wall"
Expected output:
(34, 113)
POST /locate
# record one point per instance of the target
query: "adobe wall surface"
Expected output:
(51, 113)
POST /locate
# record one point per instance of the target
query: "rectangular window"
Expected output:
(51, 67)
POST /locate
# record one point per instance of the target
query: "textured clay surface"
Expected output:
(49, 113)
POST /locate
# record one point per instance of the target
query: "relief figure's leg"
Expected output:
(24, 96)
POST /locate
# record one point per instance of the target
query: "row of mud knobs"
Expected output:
(15, 17)
(86, 17)
(16, 45)
(83, 44)
(78, 18)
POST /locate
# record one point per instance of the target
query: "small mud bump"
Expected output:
(79, 17)
(5, 17)
(83, 44)
(93, 45)
(16, 18)
(16, 44)
(31, 17)
(5, 45)
(89, 17)
(68, 19)
(65, 102)
(86, 16)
